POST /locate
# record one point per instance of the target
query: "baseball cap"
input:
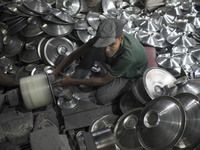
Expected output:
(108, 31)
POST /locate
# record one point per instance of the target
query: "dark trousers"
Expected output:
(107, 93)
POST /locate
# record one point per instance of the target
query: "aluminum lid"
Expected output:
(38, 6)
(161, 123)
(191, 136)
(33, 27)
(56, 49)
(157, 81)
(125, 131)
(107, 121)
(12, 45)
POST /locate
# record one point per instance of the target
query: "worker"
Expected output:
(123, 55)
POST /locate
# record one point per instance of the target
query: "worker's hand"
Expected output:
(65, 81)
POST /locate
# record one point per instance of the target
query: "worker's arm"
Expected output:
(87, 82)
(73, 56)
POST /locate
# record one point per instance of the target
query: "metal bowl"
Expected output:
(57, 29)
(12, 45)
(185, 85)
(191, 136)
(157, 81)
(38, 6)
(32, 29)
(161, 123)
(125, 132)
(56, 49)
(107, 121)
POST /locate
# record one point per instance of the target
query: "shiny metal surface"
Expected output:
(195, 20)
(190, 138)
(181, 39)
(32, 29)
(125, 131)
(157, 81)
(168, 61)
(140, 92)
(161, 123)
(72, 7)
(109, 8)
(107, 121)
(84, 35)
(25, 10)
(104, 139)
(12, 45)
(185, 26)
(57, 29)
(148, 24)
(167, 30)
(29, 53)
(178, 49)
(38, 69)
(167, 17)
(53, 19)
(187, 58)
(152, 38)
(81, 24)
(17, 27)
(38, 6)
(67, 104)
(185, 85)
(195, 52)
(13, 8)
(64, 16)
(56, 49)
(94, 19)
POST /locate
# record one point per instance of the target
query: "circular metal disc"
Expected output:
(84, 36)
(56, 49)
(161, 123)
(157, 81)
(168, 61)
(29, 53)
(17, 27)
(125, 131)
(72, 7)
(40, 48)
(109, 8)
(148, 24)
(185, 26)
(195, 52)
(38, 6)
(93, 19)
(24, 9)
(57, 29)
(64, 16)
(52, 18)
(191, 135)
(107, 121)
(152, 38)
(33, 28)
(12, 45)
(81, 24)
(181, 39)
(13, 8)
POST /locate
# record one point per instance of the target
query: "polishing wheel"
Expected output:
(36, 91)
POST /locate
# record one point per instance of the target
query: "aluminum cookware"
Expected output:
(161, 123)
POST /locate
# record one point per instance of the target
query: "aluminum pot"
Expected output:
(185, 85)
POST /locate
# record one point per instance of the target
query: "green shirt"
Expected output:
(130, 60)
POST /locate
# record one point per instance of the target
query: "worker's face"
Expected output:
(114, 47)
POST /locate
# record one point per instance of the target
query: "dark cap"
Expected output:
(108, 31)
